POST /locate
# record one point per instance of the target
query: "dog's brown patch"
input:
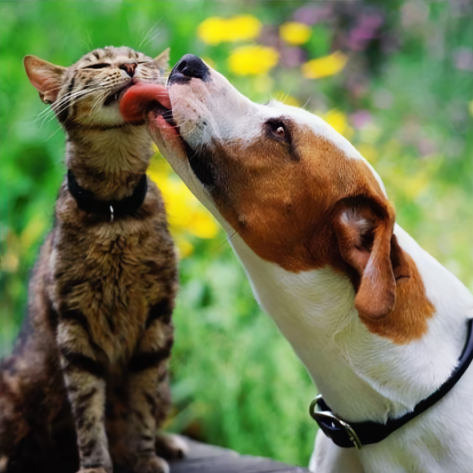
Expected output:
(283, 208)
(408, 320)
(286, 210)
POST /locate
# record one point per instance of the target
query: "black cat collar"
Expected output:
(115, 209)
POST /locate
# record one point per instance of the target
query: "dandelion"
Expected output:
(33, 231)
(287, 99)
(324, 66)
(295, 33)
(413, 186)
(215, 30)
(338, 121)
(368, 151)
(252, 60)
(243, 28)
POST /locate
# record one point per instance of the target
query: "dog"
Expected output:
(378, 322)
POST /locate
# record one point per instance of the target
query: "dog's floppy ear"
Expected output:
(364, 230)
(45, 77)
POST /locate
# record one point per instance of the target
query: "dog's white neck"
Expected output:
(361, 375)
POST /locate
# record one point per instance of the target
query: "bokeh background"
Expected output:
(394, 77)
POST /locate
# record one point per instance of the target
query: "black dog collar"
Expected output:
(357, 434)
(111, 208)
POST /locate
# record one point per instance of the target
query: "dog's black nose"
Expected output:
(188, 67)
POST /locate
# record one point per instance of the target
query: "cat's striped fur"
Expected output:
(98, 333)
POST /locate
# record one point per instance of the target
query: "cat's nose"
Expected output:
(129, 68)
(188, 67)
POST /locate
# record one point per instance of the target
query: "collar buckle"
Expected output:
(335, 428)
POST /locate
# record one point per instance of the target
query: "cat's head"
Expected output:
(88, 92)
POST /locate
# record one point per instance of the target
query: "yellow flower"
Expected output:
(185, 246)
(186, 215)
(243, 28)
(324, 66)
(412, 186)
(215, 30)
(368, 152)
(338, 121)
(212, 30)
(287, 99)
(33, 231)
(252, 60)
(295, 33)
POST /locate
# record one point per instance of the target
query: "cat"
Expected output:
(98, 333)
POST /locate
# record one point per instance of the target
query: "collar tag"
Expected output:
(111, 213)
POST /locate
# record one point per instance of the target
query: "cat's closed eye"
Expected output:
(98, 66)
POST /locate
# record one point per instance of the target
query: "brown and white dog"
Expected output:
(377, 321)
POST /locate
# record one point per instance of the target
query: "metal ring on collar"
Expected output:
(323, 418)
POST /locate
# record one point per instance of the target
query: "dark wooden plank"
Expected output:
(201, 458)
(209, 459)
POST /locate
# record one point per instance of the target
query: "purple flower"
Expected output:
(292, 57)
(360, 118)
(310, 15)
(270, 37)
(366, 30)
(425, 147)
(463, 59)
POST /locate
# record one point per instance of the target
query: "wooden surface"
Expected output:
(209, 459)
(201, 458)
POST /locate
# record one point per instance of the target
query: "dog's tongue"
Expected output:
(135, 101)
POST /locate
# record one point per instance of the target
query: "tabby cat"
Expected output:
(94, 347)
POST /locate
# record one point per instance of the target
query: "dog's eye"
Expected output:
(281, 132)
(278, 130)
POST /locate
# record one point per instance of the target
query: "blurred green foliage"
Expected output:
(405, 99)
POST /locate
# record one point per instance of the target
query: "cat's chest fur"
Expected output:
(111, 272)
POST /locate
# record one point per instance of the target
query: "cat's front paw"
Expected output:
(152, 464)
(170, 446)
(3, 463)
(100, 469)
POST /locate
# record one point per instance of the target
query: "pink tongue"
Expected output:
(136, 99)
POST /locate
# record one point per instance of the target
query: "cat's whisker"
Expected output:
(56, 106)
(151, 31)
(52, 134)
(154, 37)
(60, 106)
(99, 101)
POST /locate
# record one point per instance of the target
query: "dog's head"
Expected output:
(297, 192)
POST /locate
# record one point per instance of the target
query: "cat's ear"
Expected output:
(47, 78)
(162, 61)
